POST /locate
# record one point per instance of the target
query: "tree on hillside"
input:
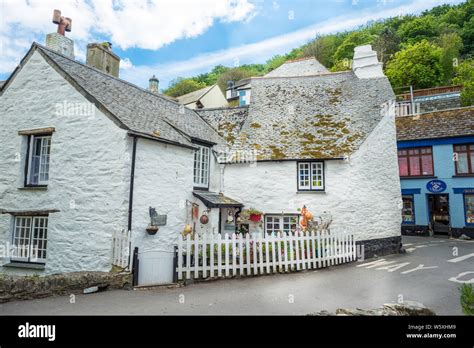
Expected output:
(353, 39)
(386, 44)
(275, 62)
(417, 65)
(323, 49)
(420, 28)
(465, 76)
(467, 35)
(181, 86)
(451, 45)
(234, 74)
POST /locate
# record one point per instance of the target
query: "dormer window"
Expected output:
(201, 167)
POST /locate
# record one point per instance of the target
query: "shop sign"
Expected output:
(436, 186)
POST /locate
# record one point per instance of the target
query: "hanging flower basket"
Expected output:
(151, 229)
(255, 217)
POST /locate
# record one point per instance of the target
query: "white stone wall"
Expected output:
(164, 181)
(89, 170)
(361, 194)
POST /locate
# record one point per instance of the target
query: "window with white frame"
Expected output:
(39, 149)
(201, 167)
(30, 238)
(311, 176)
(280, 223)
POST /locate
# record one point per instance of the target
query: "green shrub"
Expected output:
(467, 299)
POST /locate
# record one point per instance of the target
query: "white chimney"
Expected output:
(58, 41)
(365, 63)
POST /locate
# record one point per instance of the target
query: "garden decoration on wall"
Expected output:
(306, 218)
(152, 227)
(188, 229)
(204, 219)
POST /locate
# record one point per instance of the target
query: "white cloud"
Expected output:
(148, 24)
(260, 51)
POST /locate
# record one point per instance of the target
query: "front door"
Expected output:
(439, 213)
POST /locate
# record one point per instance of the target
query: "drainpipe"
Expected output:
(130, 198)
(221, 190)
(411, 99)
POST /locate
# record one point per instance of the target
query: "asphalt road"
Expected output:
(430, 272)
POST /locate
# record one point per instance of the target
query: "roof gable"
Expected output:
(131, 107)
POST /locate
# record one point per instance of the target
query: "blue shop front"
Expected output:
(436, 164)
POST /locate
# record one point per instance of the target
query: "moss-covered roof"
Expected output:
(306, 117)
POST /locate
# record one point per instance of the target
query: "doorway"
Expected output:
(438, 206)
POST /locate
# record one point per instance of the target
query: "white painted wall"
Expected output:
(89, 171)
(164, 181)
(362, 195)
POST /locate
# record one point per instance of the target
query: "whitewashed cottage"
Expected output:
(85, 155)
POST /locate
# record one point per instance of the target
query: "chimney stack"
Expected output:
(100, 56)
(58, 41)
(153, 84)
(365, 63)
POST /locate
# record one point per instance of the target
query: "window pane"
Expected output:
(201, 166)
(408, 215)
(21, 238)
(38, 168)
(403, 166)
(427, 165)
(317, 175)
(462, 163)
(469, 208)
(303, 175)
(38, 240)
(415, 166)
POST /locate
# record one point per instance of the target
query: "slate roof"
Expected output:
(134, 108)
(193, 96)
(438, 124)
(298, 67)
(215, 200)
(307, 117)
(228, 121)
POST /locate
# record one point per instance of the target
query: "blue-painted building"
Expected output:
(436, 163)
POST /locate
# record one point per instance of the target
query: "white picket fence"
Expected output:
(121, 248)
(249, 256)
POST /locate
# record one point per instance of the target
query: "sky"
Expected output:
(182, 38)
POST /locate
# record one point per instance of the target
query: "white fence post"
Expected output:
(251, 255)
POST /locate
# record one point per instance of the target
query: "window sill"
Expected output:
(463, 176)
(26, 265)
(201, 188)
(417, 177)
(33, 188)
(310, 192)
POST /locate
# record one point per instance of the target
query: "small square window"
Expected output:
(311, 176)
(30, 239)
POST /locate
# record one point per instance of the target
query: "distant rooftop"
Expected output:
(193, 96)
(438, 124)
(298, 67)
